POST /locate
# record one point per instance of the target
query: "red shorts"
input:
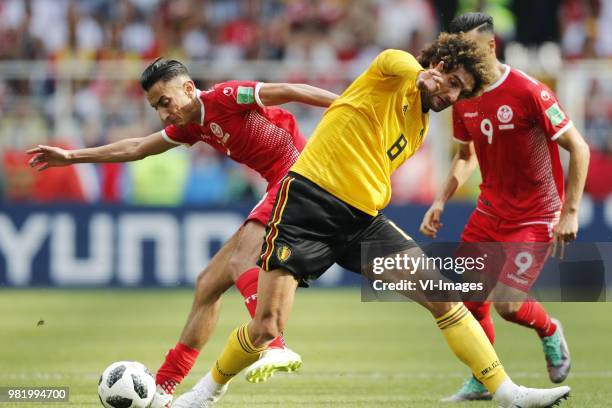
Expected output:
(263, 209)
(526, 246)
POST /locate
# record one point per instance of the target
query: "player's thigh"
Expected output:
(215, 279)
(382, 240)
(247, 248)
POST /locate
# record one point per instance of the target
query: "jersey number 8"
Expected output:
(397, 147)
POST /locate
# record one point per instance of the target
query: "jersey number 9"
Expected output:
(486, 127)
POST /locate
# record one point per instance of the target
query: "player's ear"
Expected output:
(491, 44)
(189, 87)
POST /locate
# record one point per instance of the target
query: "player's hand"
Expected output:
(431, 79)
(565, 231)
(431, 221)
(48, 156)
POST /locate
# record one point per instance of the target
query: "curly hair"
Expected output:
(458, 51)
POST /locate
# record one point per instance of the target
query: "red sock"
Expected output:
(179, 361)
(532, 314)
(247, 286)
(480, 311)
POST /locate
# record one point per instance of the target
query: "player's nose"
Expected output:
(453, 95)
(163, 115)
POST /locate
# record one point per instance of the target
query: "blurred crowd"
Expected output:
(90, 110)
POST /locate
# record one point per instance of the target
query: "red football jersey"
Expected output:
(236, 123)
(513, 125)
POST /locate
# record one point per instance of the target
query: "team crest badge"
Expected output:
(504, 114)
(228, 91)
(283, 253)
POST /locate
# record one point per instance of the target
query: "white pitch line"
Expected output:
(315, 374)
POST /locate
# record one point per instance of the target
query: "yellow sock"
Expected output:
(469, 342)
(238, 354)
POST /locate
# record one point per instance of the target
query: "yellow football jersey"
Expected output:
(367, 133)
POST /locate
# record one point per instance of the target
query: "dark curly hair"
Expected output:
(458, 51)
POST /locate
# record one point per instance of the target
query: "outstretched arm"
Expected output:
(122, 151)
(574, 143)
(278, 93)
(462, 167)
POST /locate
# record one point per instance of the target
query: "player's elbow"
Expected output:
(579, 148)
(584, 149)
(466, 153)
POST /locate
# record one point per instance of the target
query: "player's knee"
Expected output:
(507, 310)
(237, 265)
(206, 290)
(438, 309)
(480, 310)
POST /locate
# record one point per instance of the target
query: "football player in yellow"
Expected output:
(329, 203)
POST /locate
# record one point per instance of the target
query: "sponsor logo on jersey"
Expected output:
(283, 253)
(545, 95)
(504, 114)
(421, 136)
(555, 114)
(470, 114)
(227, 91)
(245, 95)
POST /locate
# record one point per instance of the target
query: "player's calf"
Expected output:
(556, 352)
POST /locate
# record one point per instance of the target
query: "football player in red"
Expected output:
(238, 119)
(512, 131)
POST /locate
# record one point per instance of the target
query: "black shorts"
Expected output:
(310, 229)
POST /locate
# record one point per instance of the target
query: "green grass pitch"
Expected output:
(355, 354)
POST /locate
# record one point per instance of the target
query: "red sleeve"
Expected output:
(179, 135)
(548, 113)
(460, 133)
(238, 95)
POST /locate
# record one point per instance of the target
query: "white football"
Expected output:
(126, 384)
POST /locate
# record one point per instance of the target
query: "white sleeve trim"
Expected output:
(170, 140)
(562, 131)
(460, 141)
(257, 88)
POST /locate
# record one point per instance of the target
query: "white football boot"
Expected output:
(271, 361)
(204, 394)
(510, 395)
